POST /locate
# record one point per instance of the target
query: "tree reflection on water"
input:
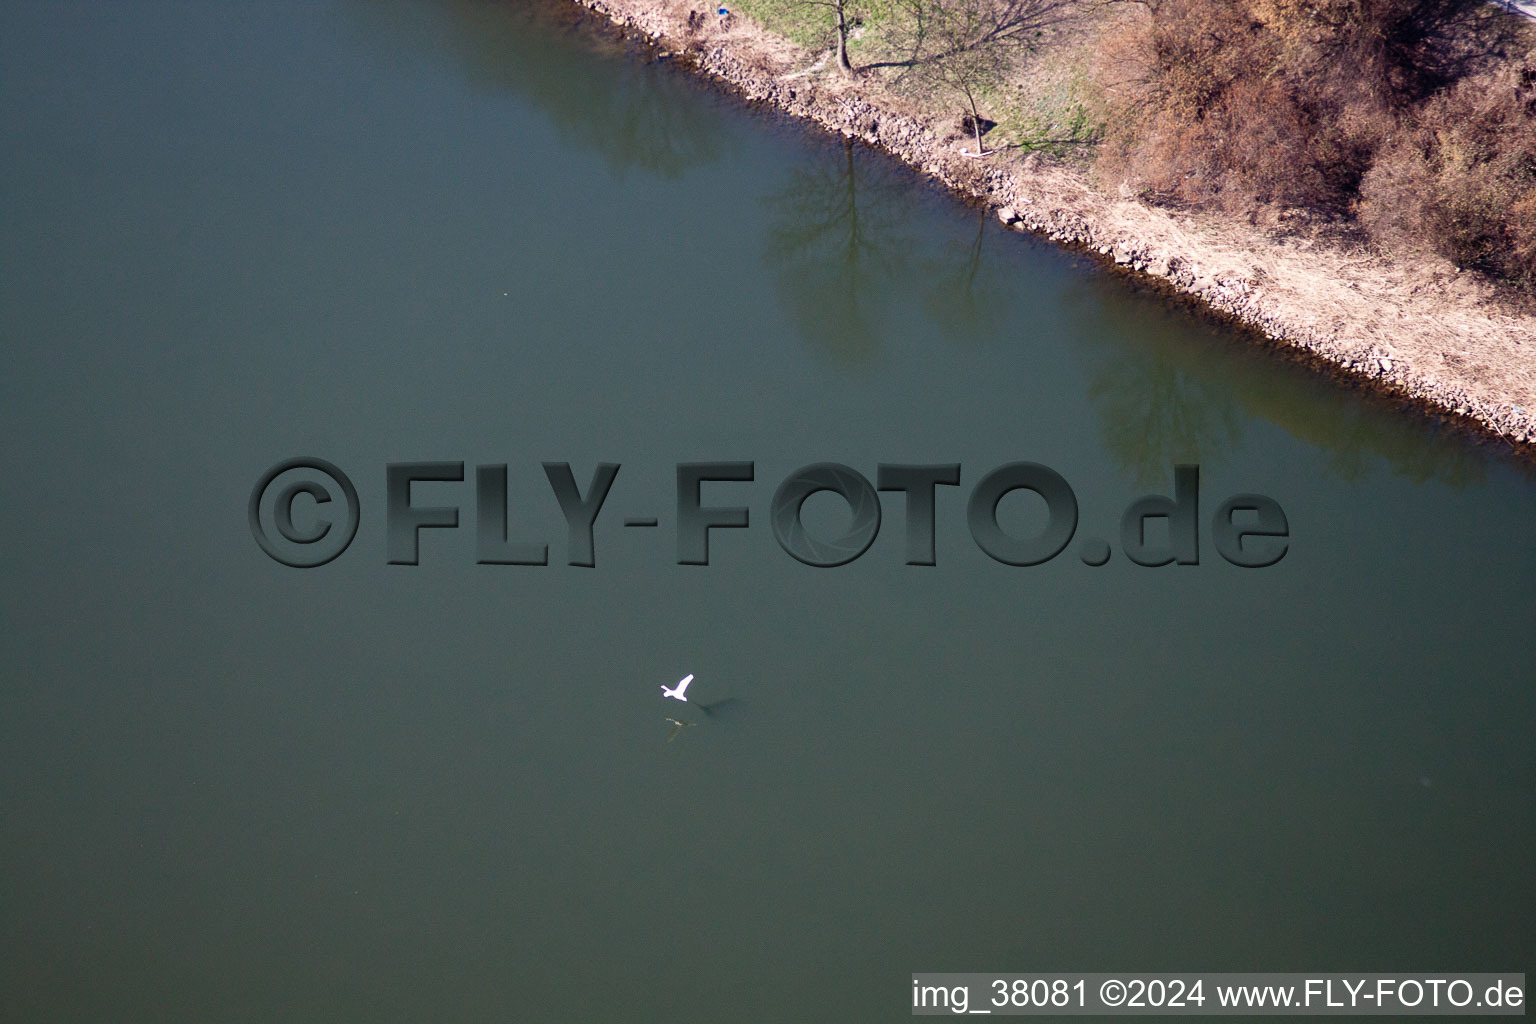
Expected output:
(844, 253)
(849, 256)
(967, 300)
(835, 241)
(622, 109)
(1170, 388)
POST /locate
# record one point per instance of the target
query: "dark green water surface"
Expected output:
(381, 233)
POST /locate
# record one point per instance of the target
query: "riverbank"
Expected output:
(1415, 328)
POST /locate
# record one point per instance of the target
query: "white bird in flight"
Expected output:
(677, 691)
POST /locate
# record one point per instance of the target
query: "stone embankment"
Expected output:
(1417, 328)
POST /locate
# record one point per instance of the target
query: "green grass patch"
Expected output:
(1060, 111)
(803, 24)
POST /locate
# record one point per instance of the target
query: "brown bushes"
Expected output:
(1462, 176)
(1225, 113)
(1408, 113)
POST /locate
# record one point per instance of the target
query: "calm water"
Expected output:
(379, 233)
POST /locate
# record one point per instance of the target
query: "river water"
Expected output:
(390, 233)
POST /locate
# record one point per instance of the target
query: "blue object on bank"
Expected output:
(723, 12)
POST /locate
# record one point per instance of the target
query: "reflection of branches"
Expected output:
(839, 247)
(1162, 407)
(641, 124)
(833, 244)
(1168, 391)
(1155, 416)
(1352, 432)
(966, 301)
(625, 111)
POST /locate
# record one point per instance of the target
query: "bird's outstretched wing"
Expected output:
(678, 692)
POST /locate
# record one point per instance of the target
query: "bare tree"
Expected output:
(842, 17)
(967, 47)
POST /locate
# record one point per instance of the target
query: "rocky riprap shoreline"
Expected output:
(1031, 195)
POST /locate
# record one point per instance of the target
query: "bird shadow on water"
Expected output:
(727, 709)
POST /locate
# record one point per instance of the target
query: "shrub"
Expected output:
(1461, 177)
(1220, 116)
(1407, 112)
